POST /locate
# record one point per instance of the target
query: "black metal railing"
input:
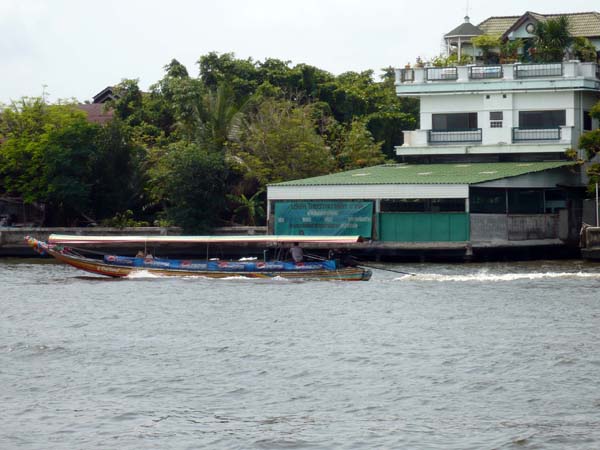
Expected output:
(442, 73)
(538, 70)
(452, 136)
(485, 72)
(535, 134)
(407, 75)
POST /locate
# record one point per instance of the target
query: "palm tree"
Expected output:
(250, 210)
(220, 118)
(552, 39)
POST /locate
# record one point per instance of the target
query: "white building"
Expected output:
(503, 112)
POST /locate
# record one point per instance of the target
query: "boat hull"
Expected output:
(118, 271)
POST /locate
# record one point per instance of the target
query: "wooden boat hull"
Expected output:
(116, 270)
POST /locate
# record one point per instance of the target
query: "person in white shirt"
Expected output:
(297, 253)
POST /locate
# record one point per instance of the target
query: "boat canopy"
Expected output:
(64, 239)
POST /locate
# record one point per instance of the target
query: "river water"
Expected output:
(464, 356)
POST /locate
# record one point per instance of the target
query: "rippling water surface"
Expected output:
(476, 356)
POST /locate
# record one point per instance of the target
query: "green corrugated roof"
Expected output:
(468, 173)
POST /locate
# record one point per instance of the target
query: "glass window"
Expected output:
(487, 201)
(496, 115)
(454, 121)
(542, 119)
(555, 199)
(587, 121)
(525, 201)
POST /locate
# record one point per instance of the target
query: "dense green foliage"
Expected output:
(552, 39)
(198, 151)
(590, 142)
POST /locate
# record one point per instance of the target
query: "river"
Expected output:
(459, 356)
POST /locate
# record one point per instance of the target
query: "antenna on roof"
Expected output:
(467, 13)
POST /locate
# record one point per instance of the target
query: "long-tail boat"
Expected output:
(75, 251)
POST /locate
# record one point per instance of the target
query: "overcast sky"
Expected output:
(78, 47)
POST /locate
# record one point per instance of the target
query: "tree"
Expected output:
(509, 50)
(279, 143)
(249, 210)
(590, 142)
(47, 157)
(240, 74)
(190, 182)
(117, 172)
(552, 39)
(487, 43)
(359, 149)
(584, 50)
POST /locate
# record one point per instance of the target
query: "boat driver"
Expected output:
(297, 253)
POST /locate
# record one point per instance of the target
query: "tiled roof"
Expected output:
(464, 29)
(497, 25)
(96, 112)
(581, 24)
(468, 173)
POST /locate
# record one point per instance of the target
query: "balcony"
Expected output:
(485, 72)
(407, 75)
(536, 134)
(454, 136)
(568, 75)
(442, 73)
(538, 70)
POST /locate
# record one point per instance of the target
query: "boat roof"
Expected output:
(66, 239)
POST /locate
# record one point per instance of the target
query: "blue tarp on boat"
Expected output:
(218, 266)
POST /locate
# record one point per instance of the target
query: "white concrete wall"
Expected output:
(367, 191)
(509, 103)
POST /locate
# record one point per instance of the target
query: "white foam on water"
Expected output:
(136, 274)
(484, 276)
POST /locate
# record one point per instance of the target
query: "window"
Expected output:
(454, 121)
(487, 201)
(496, 119)
(587, 121)
(542, 119)
(554, 200)
(525, 201)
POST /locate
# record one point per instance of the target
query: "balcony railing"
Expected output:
(442, 73)
(485, 72)
(407, 75)
(454, 136)
(535, 134)
(538, 70)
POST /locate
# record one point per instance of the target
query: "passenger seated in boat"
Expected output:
(140, 254)
(297, 253)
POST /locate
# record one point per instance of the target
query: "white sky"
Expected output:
(78, 47)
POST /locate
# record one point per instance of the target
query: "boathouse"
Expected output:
(488, 164)
(460, 202)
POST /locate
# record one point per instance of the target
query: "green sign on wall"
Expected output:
(324, 218)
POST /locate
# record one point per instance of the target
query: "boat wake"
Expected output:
(141, 274)
(144, 274)
(501, 277)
